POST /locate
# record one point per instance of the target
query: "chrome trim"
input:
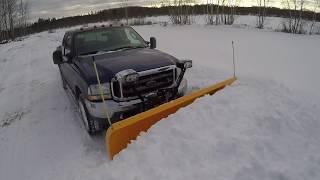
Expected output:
(96, 108)
(100, 53)
(152, 71)
(141, 74)
(121, 91)
(112, 91)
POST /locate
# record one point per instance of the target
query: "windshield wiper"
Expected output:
(89, 53)
(116, 49)
(126, 47)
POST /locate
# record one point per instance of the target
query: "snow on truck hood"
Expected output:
(109, 64)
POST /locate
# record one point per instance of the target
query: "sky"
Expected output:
(64, 8)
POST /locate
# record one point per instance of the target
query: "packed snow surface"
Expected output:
(265, 126)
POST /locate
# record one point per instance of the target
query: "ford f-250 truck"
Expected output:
(133, 74)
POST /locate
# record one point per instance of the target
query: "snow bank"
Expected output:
(252, 130)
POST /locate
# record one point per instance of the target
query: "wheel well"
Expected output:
(78, 92)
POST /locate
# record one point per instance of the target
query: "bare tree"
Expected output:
(176, 11)
(13, 16)
(223, 10)
(316, 6)
(4, 20)
(233, 4)
(1, 20)
(226, 11)
(181, 11)
(210, 17)
(217, 12)
(294, 23)
(125, 5)
(262, 12)
(23, 13)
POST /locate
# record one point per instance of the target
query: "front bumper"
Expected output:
(120, 110)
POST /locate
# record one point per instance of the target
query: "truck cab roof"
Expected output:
(93, 28)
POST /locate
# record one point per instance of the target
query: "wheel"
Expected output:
(87, 121)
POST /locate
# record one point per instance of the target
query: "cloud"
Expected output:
(63, 8)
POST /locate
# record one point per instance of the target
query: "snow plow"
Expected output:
(120, 134)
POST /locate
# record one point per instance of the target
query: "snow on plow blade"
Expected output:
(121, 133)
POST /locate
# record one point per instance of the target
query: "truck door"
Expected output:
(66, 69)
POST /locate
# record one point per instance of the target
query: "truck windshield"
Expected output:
(108, 39)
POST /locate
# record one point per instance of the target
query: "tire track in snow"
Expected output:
(52, 131)
(19, 79)
(25, 101)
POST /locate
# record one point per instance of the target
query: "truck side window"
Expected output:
(64, 40)
(68, 42)
(132, 37)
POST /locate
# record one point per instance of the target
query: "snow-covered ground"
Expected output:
(241, 21)
(265, 126)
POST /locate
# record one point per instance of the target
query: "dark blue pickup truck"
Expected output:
(134, 75)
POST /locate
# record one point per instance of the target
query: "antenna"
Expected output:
(234, 63)
(105, 106)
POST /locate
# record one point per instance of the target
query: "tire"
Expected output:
(64, 84)
(88, 123)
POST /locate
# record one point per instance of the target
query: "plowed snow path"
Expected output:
(42, 131)
(264, 127)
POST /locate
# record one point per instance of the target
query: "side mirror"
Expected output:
(153, 43)
(57, 57)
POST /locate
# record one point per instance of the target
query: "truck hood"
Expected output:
(109, 64)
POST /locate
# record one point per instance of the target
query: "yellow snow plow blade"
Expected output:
(121, 133)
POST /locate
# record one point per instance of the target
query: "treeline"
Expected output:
(136, 12)
(178, 15)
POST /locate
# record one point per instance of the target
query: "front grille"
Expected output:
(116, 89)
(146, 84)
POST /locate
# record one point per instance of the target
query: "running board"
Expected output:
(120, 134)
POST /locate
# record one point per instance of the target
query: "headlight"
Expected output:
(94, 91)
(130, 78)
(127, 76)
